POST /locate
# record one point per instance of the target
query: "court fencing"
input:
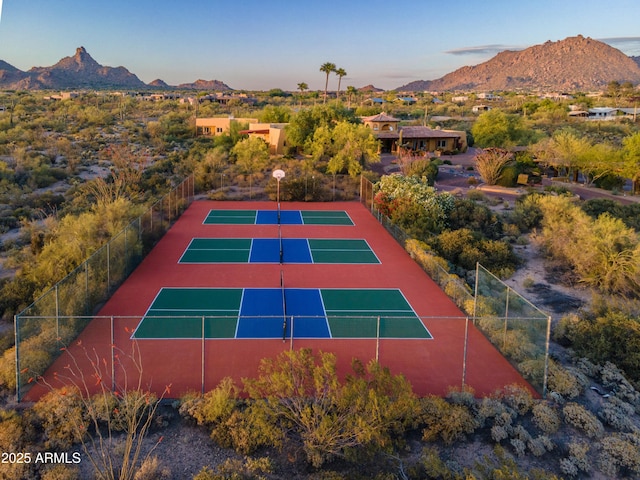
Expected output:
(516, 327)
(39, 333)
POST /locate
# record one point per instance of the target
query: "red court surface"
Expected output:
(432, 366)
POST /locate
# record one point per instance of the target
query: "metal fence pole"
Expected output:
(113, 357)
(464, 355)
(378, 339)
(202, 360)
(16, 333)
(291, 340)
(546, 359)
(506, 321)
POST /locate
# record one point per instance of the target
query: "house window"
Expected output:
(442, 144)
(375, 126)
(218, 129)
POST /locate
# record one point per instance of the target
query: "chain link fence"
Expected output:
(517, 328)
(62, 312)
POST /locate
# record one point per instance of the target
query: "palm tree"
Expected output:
(302, 87)
(340, 72)
(351, 93)
(327, 68)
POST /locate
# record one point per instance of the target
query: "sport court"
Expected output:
(278, 250)
(267, 313)
(275, 217)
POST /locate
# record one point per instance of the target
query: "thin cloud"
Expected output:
(629, 45)
(482, 49)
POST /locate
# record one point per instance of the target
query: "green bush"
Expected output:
(579, 417)
(445, 420)
(546, 418)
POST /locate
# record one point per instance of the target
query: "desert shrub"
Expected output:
(249, 468)
(617, 414)
(431, 466)
(613, 378)
(478, 218)
(61, 472)
(546, 418)
(620, 455)
(517, 397)
(151, 469)
(61, 414)
(577, 461)
(215, 406)
(13, 436)
(565, 381)
(579, 417)
(300, 394)
(540, 445)
(445, 420)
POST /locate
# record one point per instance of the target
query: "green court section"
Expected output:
(217, 250)
(325, 217)
(343, 251)
(354, 314)
(179, 313)
(231, 217)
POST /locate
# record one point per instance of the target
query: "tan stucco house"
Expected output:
(388, 130)
(218, 125)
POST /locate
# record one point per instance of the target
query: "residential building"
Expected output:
(274, 134)
(387, 129)
(219, 125)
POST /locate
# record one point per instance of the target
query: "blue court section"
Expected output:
(303, 304)
(267, 250)
(287, 217)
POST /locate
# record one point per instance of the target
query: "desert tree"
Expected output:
(491, 162)
(252, 155)
(631, 156)
(327, 68)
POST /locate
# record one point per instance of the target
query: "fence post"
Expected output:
(506, 320)
(291, 339)
(202, 360)
(546, 359)
(16, 333)
(113, 359)
(464, 355)
(57, 313)
(378, 339)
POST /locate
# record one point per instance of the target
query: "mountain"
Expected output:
(157, 83)
(205, 85)
(575, 63)
(78, 71)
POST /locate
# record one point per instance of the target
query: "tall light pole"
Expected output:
(278, 175)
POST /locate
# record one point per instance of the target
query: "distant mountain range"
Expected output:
(573, 64)
(82, 71)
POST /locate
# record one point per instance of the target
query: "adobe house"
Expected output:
(273, 134)
(387, 129)
(213, 126)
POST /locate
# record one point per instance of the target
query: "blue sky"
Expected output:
(259, 45)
